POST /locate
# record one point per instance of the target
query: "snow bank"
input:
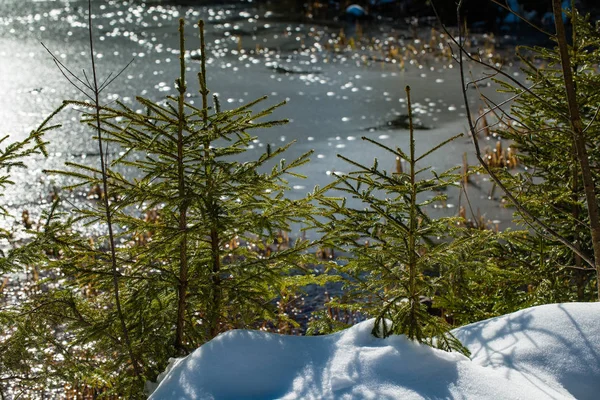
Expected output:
(550, 345)
(539, 353)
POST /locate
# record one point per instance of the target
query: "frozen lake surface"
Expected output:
(336, 94)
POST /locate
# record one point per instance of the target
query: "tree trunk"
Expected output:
(215, 319)
(182, 286)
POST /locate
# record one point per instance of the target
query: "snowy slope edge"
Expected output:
(550, 351)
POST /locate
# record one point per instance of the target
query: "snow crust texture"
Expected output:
(545, 352)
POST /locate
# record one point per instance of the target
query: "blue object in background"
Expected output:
(356, 11)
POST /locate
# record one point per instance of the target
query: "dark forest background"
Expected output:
(479, 13)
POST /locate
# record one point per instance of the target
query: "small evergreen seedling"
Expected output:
(203, 236)
(395, 248)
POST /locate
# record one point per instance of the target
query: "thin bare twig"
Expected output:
(107, 82)
(70, 81)
(93, 87)
(62, 66)
(107, 207)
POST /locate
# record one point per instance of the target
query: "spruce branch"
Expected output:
(579, 141)
(535, 222)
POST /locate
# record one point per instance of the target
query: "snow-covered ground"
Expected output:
(544, 352)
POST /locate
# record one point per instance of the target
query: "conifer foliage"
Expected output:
(12, 156)
(396, 249)
(192, 243)
(14, 257)
(200, 238)
(540, 128)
